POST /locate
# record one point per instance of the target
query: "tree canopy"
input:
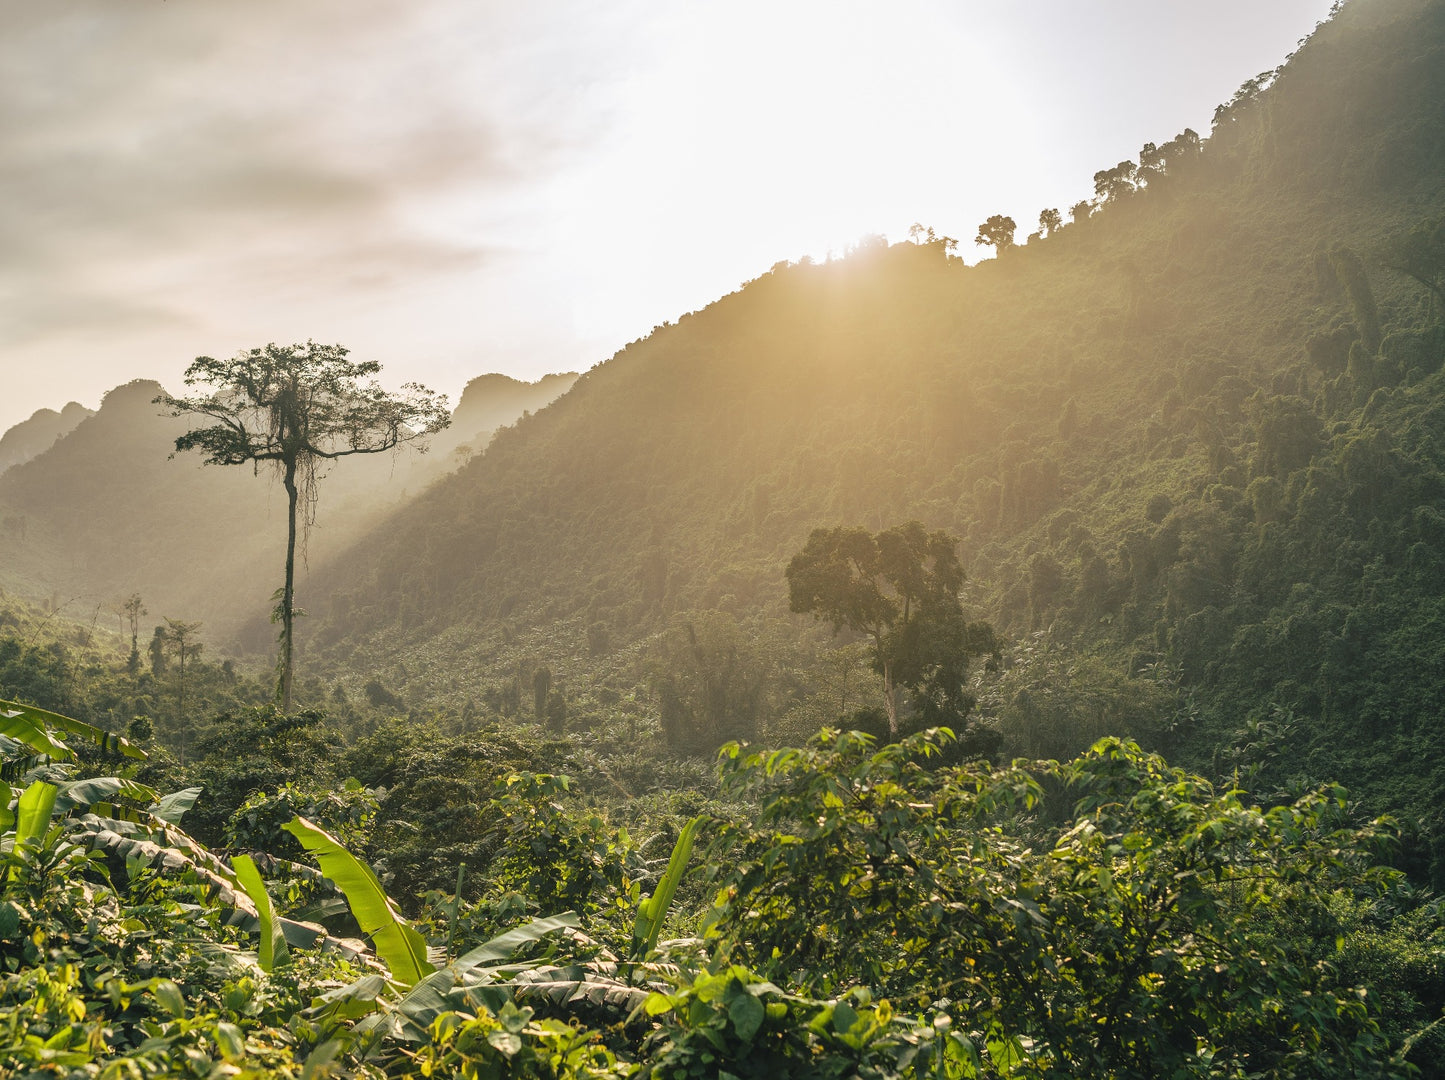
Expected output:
(997, 232)
(294, 407)
(899, 587)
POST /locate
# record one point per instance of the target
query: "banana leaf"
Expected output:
(31, 734)
(100, 790)
(439, 992)
(504, 945)
(400, 946)
(32, 812)
(178, 853)
(652, 911)
(48, 721)
(103, 834)
(273, 940)
(171, 808)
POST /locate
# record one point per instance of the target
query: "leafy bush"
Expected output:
(1127, 937)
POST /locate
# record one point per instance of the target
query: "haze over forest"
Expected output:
(1032, 661)
(453, 188)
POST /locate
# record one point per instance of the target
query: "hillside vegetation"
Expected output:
(107, 511)
(1191, 442)
(585, 784)
(38, 434)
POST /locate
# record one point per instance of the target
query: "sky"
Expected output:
(454, 187)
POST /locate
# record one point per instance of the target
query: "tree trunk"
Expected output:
(890, 701)
(288, 591)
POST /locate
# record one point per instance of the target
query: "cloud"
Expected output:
(151, 146)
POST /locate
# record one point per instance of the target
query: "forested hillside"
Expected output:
(1190, 440)
(617, 754)
(106, 511)
(38, 434)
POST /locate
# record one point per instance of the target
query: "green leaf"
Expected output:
(32, 813)
(1005, 1052)
(99, 790)
(273, 942)
(503, 946)
(173, 806)
(746, 1012)
(650, 912)
(169, 995)
(575, 984)
(50, 721)
(506, 1042)
(401, 947)
(230, 1042)
(319, 1061)
(349, 1002)
(427, 999)
(30, 733)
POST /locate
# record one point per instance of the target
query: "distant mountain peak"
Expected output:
(36, 435)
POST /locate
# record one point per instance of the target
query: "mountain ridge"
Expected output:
(37, 433)
(1149, 430)
(109, 509)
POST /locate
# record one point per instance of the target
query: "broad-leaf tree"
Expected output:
(1115, 183)
(133, 608)
(295, 407)
(900, 587)
(997, 232)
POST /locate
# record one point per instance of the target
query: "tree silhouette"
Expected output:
(1117, 182)
(900, 588)
(924, 236)
(1049, 221)
(1152, 163)
(180, 636)
(997, 232)
(295, 407)
(133, 608)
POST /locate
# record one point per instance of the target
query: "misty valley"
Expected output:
(897, 668)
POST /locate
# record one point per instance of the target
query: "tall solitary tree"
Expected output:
(294, 408)
(133, 608)
(181, 636)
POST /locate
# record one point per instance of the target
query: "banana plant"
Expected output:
(652, 911)
(30, 820)
(144, 830)
(395, 941)
(32, 813)
(272, 951)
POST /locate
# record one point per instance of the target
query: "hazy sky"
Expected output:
(461, 186)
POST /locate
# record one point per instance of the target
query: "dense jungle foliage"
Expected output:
(856, 912)
(573, 792)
